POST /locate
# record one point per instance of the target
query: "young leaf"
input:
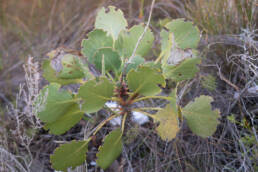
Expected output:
(200, 118)
(113, 21)
(185, 70)
(186, 35)
(69, 155)
(51, 75)
(111, 149)
(168, 122)
(96, 39)
(145, 80)
(71, 117)
(112, 59)
(127, 40)
(57, 103)
(95, 94)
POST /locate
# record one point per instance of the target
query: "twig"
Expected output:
(141, 37)
(183, 90)
(222, 77)
(138, 42)
(240, 94)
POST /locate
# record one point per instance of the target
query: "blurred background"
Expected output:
(229, 47)
(34, 27)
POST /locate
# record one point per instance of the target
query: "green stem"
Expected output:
(103, 71)
(123, 122)
(159, 58)
(148, 108)
(110, 77)
(131, 96)
(104, 122)
(152, 97)
(145, 113)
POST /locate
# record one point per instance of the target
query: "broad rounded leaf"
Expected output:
(71, 117)
(166, 43)
(127, 40)
(145, 80)
(70, 154)
(57, 103)
(71, 67)
(60, 112)
(95, 94)
(113, 21)
(66, 66)
(200, 117)
(51, 75)
(177, 55)
(111, 59)
(96, 39)
(168, 122)
(186, 35)
(111, 149)
(185, 70)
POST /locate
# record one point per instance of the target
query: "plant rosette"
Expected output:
(107, 80)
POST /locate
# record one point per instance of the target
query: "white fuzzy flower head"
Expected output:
(115, 107)
(112, 105)
(139, 118)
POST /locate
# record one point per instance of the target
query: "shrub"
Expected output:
(113, 75)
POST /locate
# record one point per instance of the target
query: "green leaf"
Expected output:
(57, 103)
(70, 154)
(113, 21)
(66, 121)
(111, 149)
(51, 75)
(137, 60)
(168, 122)
(95, 94)
(166, 42)
(96, 39)
(111, 59)
(145, 80)
(200, 117)
(60, 112)
(153, 65)
(185, 34)
(127, 40)
(185, 70)
(72, 67)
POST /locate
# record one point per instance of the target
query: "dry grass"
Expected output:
(38, 28)
(223, 16)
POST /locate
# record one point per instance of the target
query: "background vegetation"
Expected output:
(229, 74)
